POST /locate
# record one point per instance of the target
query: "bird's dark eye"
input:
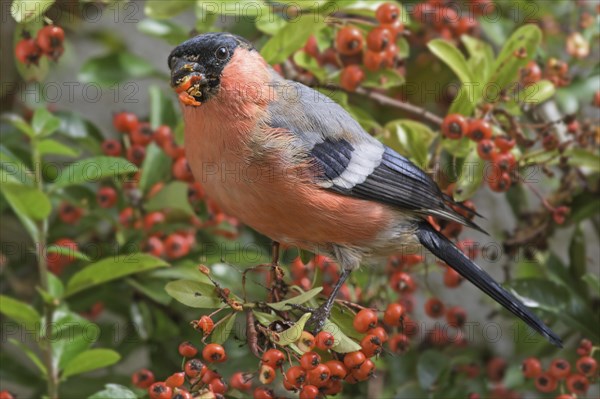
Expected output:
(222, 53)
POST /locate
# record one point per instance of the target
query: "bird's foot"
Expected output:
(319, 317)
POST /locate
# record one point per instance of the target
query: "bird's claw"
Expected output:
(319, 317)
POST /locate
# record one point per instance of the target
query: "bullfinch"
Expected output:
(291, 163)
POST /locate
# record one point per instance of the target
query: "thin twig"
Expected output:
(404, 106)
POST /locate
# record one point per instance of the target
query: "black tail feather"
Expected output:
(444, 249)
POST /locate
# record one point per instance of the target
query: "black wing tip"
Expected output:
(444, 249)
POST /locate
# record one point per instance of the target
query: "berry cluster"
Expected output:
(355, 50)
(303, 273)
(444, 19)
(127, 199)
(490, 147)
(576, 378)
(48, 42)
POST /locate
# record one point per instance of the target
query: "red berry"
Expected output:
(319, 376)
(159, 390)
(452, 278)
(175, 380)
(456, 316)
(380, 333)
(182, 394)
(182, 171)
(142, 378)
(176, 246)
(309, 392)
(587, 365)
(496, 369)
(306, 342)
(213, 353)
(374, 60)
(393, 315)
(241, 381)
(531, 367)
(27, 51)
(136, 154)
(399, 343)
(310, 360)
(434, 308)
(531, 73)
(50, 37)
(68, 213)
(125, 122)
(349, 41)
(337, 370)
(324, 340)
(387, 13)
(266, 374)
(311, 47)
(505, 161)
(365, 320)
(354, 360)
(4, 394)
(194, 368)
(107, 197)
(263, 393)
(205, 324)
(163, 135)
(273, 358)
(379, 38)
(152, 219)
(485, 149)
(479, 130)
(187, 349)
(545, 383)
(126, 217)
(396, 28)
(142, 134)
(217, 385)
(501, 183)
(296, 376)
(365, 371)
(111, 147)
(371, 345)
(578, 384)
(454, 126)
(332, 388)
(403, 283)
(559, 368)
(351, 77)
(504, 143)
(596, 101)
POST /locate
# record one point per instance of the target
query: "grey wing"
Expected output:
(351, 162)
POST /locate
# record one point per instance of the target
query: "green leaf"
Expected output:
(430, 366)
(44, 123)
(152, 288)
(169, 31)
(411, 139)
(265, 318)
(270, 23)
(68, 251)
(291, 38)
(114, 391)
(27, 202)
(20, 312)
(173, 196)
(304, 60)
(20, 123)
(452, 57)
(593, 281)
(155, 168)
(27, 10)
(293, 333)
(31, 355)
(384, 79)
(577, 256)
(297, 300)
(507, 65)
(93, 170)
(50, 146)
(115, 68)
(583, 158)
(112, 268)
(471, 176)
(194, 294)
(542, 294)
(71, 335)
(343, 343)
(89, 360)
(166, 9)
(537, 93)
(223, 329)
(482, 52)
(55, 286)
(162, 111)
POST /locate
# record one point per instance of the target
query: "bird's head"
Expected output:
(197, 65)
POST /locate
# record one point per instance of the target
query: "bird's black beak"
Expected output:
(188, 79)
